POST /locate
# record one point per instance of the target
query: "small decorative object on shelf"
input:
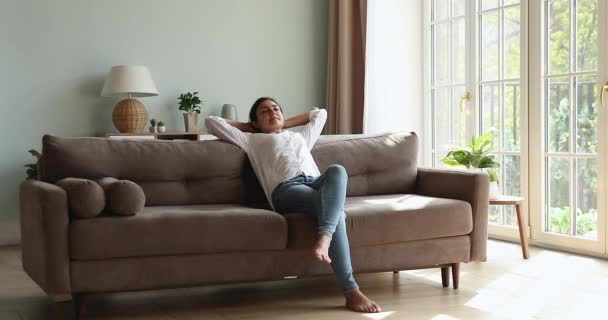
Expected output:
(153, 126)
(229, 111)
(189, 103)
(476, 154)
(161, 127)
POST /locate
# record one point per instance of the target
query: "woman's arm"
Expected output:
(243, 126)
(312, 130)
(220, 128)
(298, 120)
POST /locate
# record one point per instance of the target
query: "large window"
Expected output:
(448, 76)
(476, 84)
(533, 70)
(570, 50)
(499, 91)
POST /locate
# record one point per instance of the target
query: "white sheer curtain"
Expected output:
(394, 67)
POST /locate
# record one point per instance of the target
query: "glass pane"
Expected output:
(508, 2)
(488, 4)
(558, 196)
(586, 35)
(586, 114)
(495, 214)
(586, 198)
(512, 177)
(512, 43)
(458, 8)
(489, 46)
(559, 114)
(490, 111)
(460, 121)
(442, 53)
(558, 50)
(441, 9)
(512, 184)
(459, 51)
(512, 114)
(442, 117)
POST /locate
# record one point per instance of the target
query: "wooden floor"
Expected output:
(550, 285)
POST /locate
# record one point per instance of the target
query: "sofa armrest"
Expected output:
(44, 235)
(472, 187)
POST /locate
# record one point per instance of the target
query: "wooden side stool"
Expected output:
(516, 201)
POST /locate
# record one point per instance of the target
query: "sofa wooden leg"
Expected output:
(456, 274)
(395, 271)
(445, 276)
(79, 305)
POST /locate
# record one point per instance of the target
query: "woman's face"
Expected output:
(269, 117)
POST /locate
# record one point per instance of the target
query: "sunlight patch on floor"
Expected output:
(444, 317)
(379, 315)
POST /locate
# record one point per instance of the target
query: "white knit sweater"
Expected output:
(275, 157)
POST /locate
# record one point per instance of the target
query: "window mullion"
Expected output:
(572, 109)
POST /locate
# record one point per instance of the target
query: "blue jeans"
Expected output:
(324, 198)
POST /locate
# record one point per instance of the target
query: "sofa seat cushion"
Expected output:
(175, 230)
(384, 219)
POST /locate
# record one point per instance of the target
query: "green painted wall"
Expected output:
(54, 56)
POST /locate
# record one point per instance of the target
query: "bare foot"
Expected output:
(320, 251)
(357, 301)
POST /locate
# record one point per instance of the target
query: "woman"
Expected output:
(292, 182)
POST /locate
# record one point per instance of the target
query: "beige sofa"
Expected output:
(206, 220)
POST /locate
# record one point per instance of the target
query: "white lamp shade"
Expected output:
(134, 80)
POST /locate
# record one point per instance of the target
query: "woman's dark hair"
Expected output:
(254, 108)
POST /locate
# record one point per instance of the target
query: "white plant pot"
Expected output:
(494, 190)
(162, 129)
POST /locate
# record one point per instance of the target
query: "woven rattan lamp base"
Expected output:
(130, 116)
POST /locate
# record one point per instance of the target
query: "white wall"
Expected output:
(394, 67)
(54, 56)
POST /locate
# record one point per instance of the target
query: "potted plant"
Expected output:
(161, 127)
(190, 104)
(494, 190)
(32, 168)
(153, 125)
(476, 154)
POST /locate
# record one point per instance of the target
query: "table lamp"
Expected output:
(129, 115)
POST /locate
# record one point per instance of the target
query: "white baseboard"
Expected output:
(10, 232)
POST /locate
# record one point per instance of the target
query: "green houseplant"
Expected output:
(32, 168)
(153, 125)
(190, 104)
(161, 127)
(478, 155)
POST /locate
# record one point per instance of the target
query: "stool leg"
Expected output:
(522, 231)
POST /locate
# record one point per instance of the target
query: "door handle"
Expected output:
(604, 88)
(466, 97)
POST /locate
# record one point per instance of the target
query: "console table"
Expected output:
(169, 135)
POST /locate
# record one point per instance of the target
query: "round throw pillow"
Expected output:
(125, 198)
(86, 198)
(106, 183)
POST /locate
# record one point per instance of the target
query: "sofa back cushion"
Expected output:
(376, 164)
(170, 172)
(205, 172)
